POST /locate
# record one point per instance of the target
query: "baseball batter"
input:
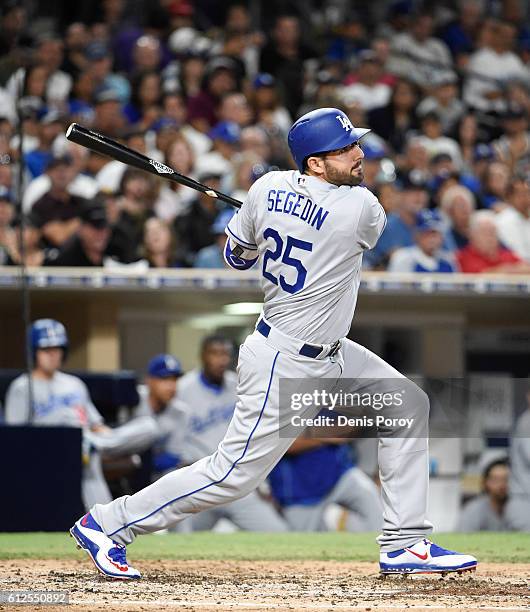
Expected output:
(307, 230)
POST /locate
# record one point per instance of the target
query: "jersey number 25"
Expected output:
(286, 259)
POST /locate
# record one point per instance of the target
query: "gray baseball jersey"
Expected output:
(61, 401)
(479, 515)
(310, 285)
(208, 410)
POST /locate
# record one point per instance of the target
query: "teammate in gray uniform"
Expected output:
(518, 506)
(487, 512)
(157, 399)
(63, 400)
(308, 229)
(209, 396)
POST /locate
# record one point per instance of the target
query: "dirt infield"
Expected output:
(245, 586)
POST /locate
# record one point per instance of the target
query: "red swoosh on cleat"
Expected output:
(122, 568)
(84, 520)
(422, 557)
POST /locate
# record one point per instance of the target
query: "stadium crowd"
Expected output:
(211, 91)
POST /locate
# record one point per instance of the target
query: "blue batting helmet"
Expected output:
(321, 131)
(48, 333)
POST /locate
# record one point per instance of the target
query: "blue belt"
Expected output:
(307, 350)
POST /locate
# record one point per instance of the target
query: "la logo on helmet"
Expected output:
(345, 122)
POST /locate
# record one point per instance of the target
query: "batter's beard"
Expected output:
(341, 177)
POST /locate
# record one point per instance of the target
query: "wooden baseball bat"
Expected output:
(115, 150)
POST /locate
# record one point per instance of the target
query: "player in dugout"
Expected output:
(63, 400)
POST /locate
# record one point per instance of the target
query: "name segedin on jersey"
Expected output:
(310, 236)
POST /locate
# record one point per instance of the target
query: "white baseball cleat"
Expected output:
(425, 557)
(108, 556)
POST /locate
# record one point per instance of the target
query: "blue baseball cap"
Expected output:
(164, 366)
(372, 150)
(222, 219)
(429, 221)
(264, 79)
(227, 131)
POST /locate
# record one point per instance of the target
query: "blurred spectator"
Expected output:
(191, 73)
(426, 255)
(238, 19)
(467, 134)
(484, 253)
(265, 101)
(374, 152)
(75, 41)
(13, 22)
(513, 221)
(394, 121)
(7, 213)
(144, 107)
(415, 159)
(435, 143)
(137, 194)
(513, 147)
(80, 103)
(50, 126)
(159, 244)
(491, 67)
(108, 115)
(219, 79)
(87, 247)
(461, 33)
(444, 101)
(99, 67)
(248, 167)
(255, 140)
(399, 230)
(194, 228)
(147, 54)
(235, 108)
(233, 46)
(283, 56)
(487, 511)
(34, 255)
(107, 173)
(212, 256)
(81, 185)
(458, 204)
(225, 136)
(49, 54)
(349, 36)
(496, 179)
(417, 55)
(32, 81)
(518, 506)
(174, 199)
(57, 211)
(367, 90)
